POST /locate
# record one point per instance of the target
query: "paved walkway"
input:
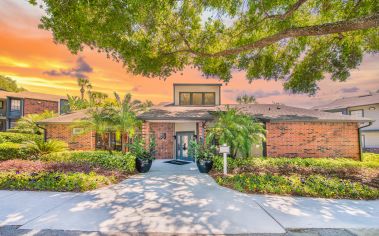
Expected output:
(177, 199)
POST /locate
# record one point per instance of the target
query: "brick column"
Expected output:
(146, 132)
(202, 126)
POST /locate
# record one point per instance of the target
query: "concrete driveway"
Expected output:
(177, 199)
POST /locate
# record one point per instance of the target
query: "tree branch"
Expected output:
(290, 11)
(315, 30)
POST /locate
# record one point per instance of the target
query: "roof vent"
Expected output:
(278, 108)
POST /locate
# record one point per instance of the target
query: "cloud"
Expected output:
(350, 90)
(82, 67)
(136, 88)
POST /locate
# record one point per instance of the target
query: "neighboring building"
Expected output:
(14, 105)
(290, 131)
(360, 106)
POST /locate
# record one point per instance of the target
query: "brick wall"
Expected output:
(33, 106)
(312, 139)
(165, 147)
(63, 132)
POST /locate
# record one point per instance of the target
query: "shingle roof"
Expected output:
(31, 95)
(67, 118)
(350, 102)
(275, 112)
(266, 112)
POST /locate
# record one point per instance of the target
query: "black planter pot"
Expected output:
(204, 166)
(143, 165)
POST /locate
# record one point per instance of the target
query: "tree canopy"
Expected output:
(9, 85)
(297, 41)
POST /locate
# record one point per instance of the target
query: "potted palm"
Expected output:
(204, 156)
(144, 155)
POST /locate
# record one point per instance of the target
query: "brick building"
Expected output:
(290, 131)
(13, 106)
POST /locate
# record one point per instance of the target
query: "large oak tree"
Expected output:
(298, 41)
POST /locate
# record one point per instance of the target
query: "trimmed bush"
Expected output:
(114, 161)
(13, 151)
(370, 160)
(310, 186)
(18, 137)
(53, 181)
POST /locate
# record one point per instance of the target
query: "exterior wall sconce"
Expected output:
(162, 136)
(174, 136)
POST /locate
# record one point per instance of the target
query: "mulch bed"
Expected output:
(367, 176)
(40, 166)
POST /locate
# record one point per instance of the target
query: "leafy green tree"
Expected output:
(297, 41)
(97, 98)
(28, 124)
(9, 85)
(246, 99)
(236, 129)
(75, 103)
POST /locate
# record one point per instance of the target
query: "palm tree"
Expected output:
(97, 98)
(75, 103)
(82, 82)
(246, 99)
(125, 115)
(236, 129)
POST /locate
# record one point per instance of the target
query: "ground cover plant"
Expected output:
(66, 171)
(316, 177)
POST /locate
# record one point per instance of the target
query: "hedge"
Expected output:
(310, 186)
(18, 137)
(13, 151)
(370, 160)
(104, 159)
(53, 181)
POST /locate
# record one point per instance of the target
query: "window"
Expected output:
(357, 113)
(197, 98)
(1, 104)
(209, 98)
(77, 131)
(185, 98)
(15, 105)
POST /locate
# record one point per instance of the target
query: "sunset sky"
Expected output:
(29, 55)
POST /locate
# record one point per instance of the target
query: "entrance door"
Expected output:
(182, 144)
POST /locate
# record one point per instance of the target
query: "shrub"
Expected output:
(40, 147)
(369, 161)
(18, 137)
(53, 181)
(311, 186)
(13, 151)
(104, 159)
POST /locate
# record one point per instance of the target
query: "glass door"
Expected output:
(182, 145)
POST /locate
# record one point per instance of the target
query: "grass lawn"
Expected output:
(315, 177)
(66, 171)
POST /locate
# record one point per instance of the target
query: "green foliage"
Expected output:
(53, 181)
(246, 99)
(28, 123)
(311, 186)
(9, 85)
(13, 151)
(75, 103)
(41, 147)
(139, 148)
(114, 161)
(237, 130)
(18, 137)
(201, 151)
(298, 42)
(370, 160)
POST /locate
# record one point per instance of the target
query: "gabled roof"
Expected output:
(342, 103)
(67, 118)
(31, 95)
